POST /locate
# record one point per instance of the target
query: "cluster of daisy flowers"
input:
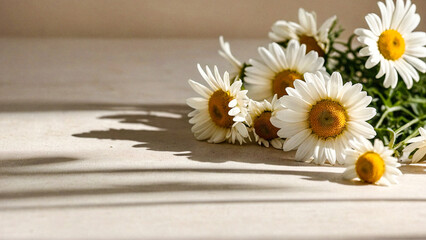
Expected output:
(332, 104)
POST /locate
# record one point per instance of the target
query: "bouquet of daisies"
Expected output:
(361, 103)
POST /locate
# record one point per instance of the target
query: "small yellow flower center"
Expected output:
(264, 128)
(218, 109)
(311, 44)
(283, 80)
(327, 118)
(391, 44)
(370, 167)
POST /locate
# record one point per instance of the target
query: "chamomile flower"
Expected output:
(279, 69)
(221, 111)
(226, 53)
(321, 116)
(371, 164)
(305, 32)
(263, 130)
(418, 143)
(392, 43)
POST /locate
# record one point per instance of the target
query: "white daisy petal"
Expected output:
(417, 144)
(269, 59)
(365, 52)
(292, 116)
(364, 114)
(372, 164)
(287, 129)
(233, 103)
(362, 128)
(416, 51)
(350, 173)
(396, 25)
(295, 103)
(416, 39)
(385, 16)
(419, 154)
(262, 114)
(365, 33)
(417, 63)
(398, 14)
(200, 89)
(197, 103)
(234, 111)
(305, 150)
(225, 52)
(305, 119)
(373, 22)
(296, 57)
(296, 140)
(211, 120)
(372, 61)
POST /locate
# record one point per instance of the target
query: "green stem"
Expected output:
(415, 133)
(408, 124)
(417, 100)
(341, 43)
(392, 139)
(385, 101)
(389, 110)
(409, 113)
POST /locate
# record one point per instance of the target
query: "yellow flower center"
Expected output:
(283, 80)
(391, 44)
(264, 128)
(370, 167)
(311, 44)
(218, 109)
(327, 118)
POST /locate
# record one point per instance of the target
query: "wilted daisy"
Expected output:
(279, 69)
(263, 130)
(322, 115)
(371, 164)
(226, 53)
(305, 32)
(418, 143)
(221, 111)
(392, 43)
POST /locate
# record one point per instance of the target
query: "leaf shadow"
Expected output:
(174, 134)
(164, 128)
(34, 161)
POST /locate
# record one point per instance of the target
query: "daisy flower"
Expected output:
(263, 130)
(322, 115)
(371, 164)
(418, 143)
(392, 43)
(226, 53)
(306, 32)
(279, 69)
(221, 111)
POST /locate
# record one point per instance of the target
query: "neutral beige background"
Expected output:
(96, 144)
(171, 18)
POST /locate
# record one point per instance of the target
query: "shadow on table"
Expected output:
(163, 128)
(53, 170)
(174, 135)
(213, 202)
(169, 187)
(22, 162)
(11, 168)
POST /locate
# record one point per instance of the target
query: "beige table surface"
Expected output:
(95, 144)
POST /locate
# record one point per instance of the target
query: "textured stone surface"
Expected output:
(95, 144)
